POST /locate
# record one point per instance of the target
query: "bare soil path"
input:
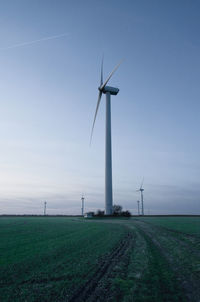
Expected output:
(182, 253)
(97, 288)
(150, 264)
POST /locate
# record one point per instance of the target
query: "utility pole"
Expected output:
(138, 207)
(45, 206)
(82, 208)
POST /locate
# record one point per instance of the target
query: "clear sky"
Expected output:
(48, 95)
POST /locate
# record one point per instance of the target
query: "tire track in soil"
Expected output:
(188, 241)
(89, 291)
(189, 283)
(187, 235)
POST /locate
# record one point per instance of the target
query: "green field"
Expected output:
(189, 225)
(44, 259)
(71, 259)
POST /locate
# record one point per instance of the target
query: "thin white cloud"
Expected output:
(34, 41)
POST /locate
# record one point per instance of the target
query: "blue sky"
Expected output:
(48, 95)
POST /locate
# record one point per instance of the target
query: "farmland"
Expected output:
(72, 259)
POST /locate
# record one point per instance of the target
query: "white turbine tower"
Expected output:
(45, 207)
(108, 91)
(138, 202)
(141, 190)
(82, 205)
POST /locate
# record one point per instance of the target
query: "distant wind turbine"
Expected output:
(138, 202)
(45, 207)
(108, 91)
(141, 190)
(82, 205)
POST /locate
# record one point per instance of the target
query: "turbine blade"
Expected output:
(104, 84)
(98, 102)
(102, 71)
(142, 183)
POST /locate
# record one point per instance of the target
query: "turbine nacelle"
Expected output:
(104, 89)
(141, 188)
(112, 90)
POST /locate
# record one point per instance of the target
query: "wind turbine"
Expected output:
(108, 91)
(82, 208)
(45, 207)
(138, 202)
(141, 190)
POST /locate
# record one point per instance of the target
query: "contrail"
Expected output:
(34, 41)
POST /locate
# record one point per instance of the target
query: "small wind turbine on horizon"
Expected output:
(45, 208)
(108, 91)
(138, 202)
(141, 190)
(82, 205)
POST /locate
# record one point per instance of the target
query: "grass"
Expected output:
(148, 277)
(46, 259)
(50, 258)
(157, 281)
(189, 225)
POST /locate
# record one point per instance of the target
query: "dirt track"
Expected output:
(150, 264)
(94, 289)
(181, 252)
